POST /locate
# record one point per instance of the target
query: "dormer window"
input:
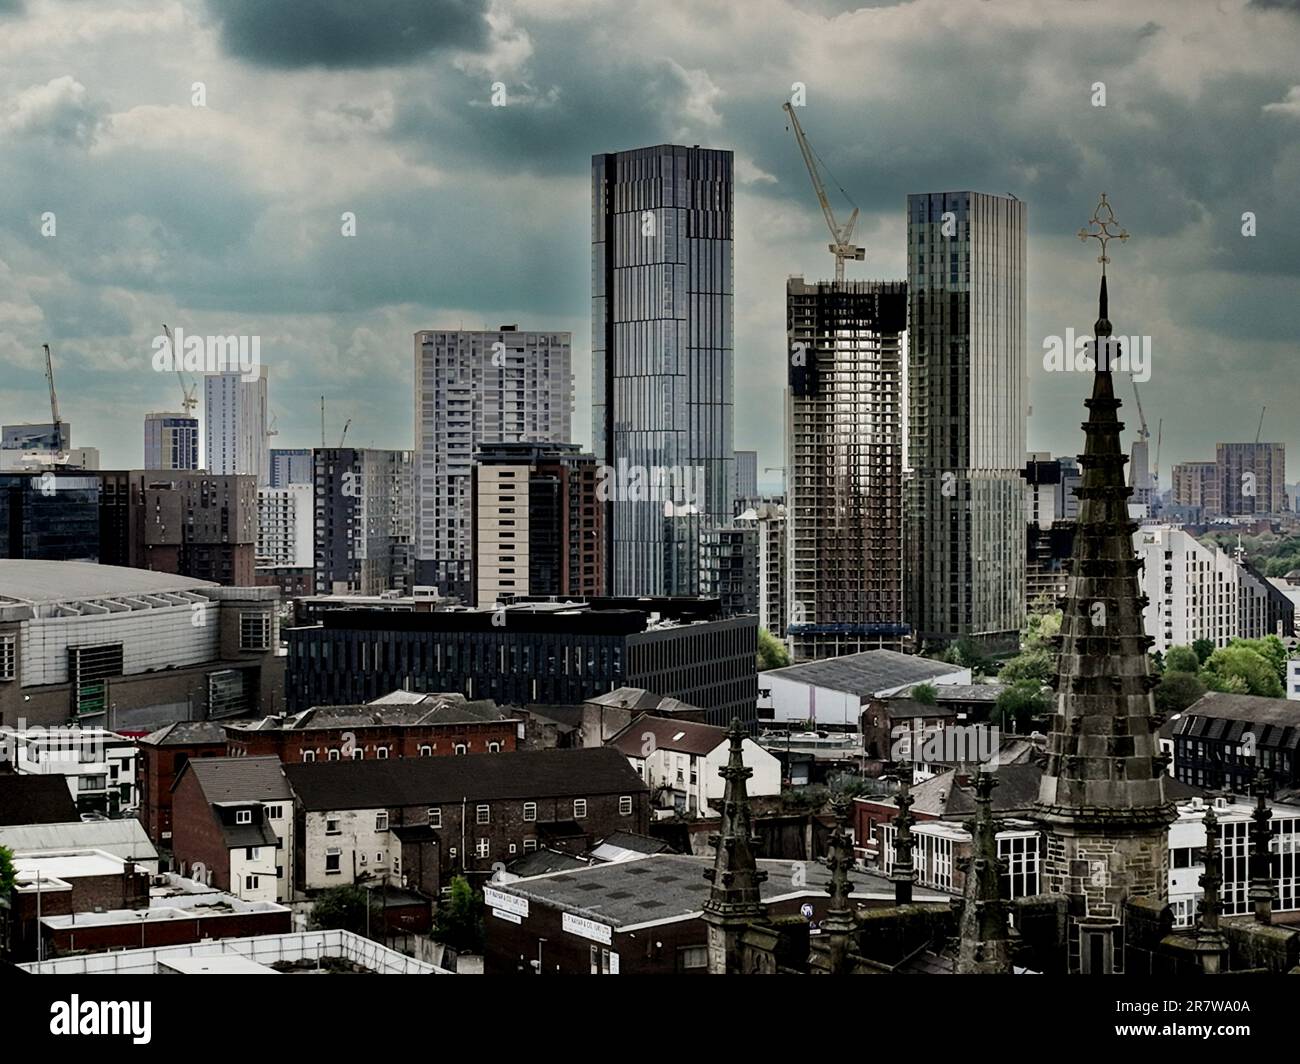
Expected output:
(243, 816)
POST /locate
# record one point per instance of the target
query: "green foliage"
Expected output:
(459, 920)
(1018, 706)
(968, 654)
(1182, 659)
(772, 653)
(925, 693)
(1204, 648)
(344, 909)
(1041, 627)
(8, 875)
(1177, 690)
(1037, 666)
(1270, 648)
(1241, 670)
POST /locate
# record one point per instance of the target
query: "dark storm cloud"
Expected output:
(346, 33)
(1276, 5)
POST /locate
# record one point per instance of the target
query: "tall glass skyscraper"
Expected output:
(967, 396)
(661, 254)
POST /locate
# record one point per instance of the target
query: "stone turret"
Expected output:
(734, 902)
(984, 942)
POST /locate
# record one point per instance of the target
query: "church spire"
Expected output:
(838, 925)
(1211, 880)
(735, 901)
(1103, 788)
(903, 872)
(1262, 891)
(983, 948)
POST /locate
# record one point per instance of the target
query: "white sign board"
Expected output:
(584, 928)
(508, 917)
(506, 902)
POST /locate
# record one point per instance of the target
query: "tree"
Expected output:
(925, 693)
(1041, 627)
(968, 654)
(459, 920)
(1177, 690)
(344, 909)
(1204, 648)
(1270, 648)
(772, 653)
(8, 875)
(1032, 665)
(1241, 670)
(1019, 704)
(1183, 659)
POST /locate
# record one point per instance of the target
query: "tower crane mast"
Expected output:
(841, 245)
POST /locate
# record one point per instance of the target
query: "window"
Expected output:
(530, 845)
(254, 630)
(331, 825)
(358, 753)
(309, 755)
(530, 811)
(426, 751)
(332, 755)
(243, 816)
(435, 818)
(579, 808)
(381, 821)
(625, 805)
(250, 882)
(333, 858)
(494, 748)
(482, 814)
(8, 656)
(381, 753)
(252, 853)
(459, 748)
(481, 848)
(693, 957)
(275, 812)
(91, 783)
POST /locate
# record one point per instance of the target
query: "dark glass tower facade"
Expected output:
(967, 387)
(661, 343)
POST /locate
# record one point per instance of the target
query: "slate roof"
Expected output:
(867, 673)
(122, 838)
(28, 799)
(940, 795)
(543, 862)
(961, 692)
(430, 709)
(638, 698)
(186, 733)
(1220, 717)
(239, 779)
(682, 736)
(521, 774)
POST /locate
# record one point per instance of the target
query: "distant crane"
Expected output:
(272, 429)
(346, 425)
(841, 235)
(1261, 423)
(1160, 437)
(188, 399)
(54, 405)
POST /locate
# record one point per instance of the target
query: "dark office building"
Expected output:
(550, 653)
(729, 567)
(49, 516)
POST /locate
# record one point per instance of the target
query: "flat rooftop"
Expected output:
(43, 582)
(664, 887)
(69, 865)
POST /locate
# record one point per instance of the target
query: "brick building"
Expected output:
(418, 821)
(232, 823)
(427, 726)
(163, 754)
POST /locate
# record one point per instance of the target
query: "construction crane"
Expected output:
(54, 404)
(841, 235)
(272, 429)
(1155, 466)
(188, 399)
(346, 425)
(1261, 423)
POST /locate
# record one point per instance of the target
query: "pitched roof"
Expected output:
(238, 779)
(638, 698)
(28, 799)
(682, 736)
(430, 709)
(941, 795)
(868, 673)
(122, 838)
(960, 692)
(1279, 711)
(324, 785)
(186, 733)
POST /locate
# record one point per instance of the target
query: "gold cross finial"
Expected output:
(1103, 219)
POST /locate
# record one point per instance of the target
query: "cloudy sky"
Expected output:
(225, 218)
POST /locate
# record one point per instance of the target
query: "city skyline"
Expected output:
(267, 256)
